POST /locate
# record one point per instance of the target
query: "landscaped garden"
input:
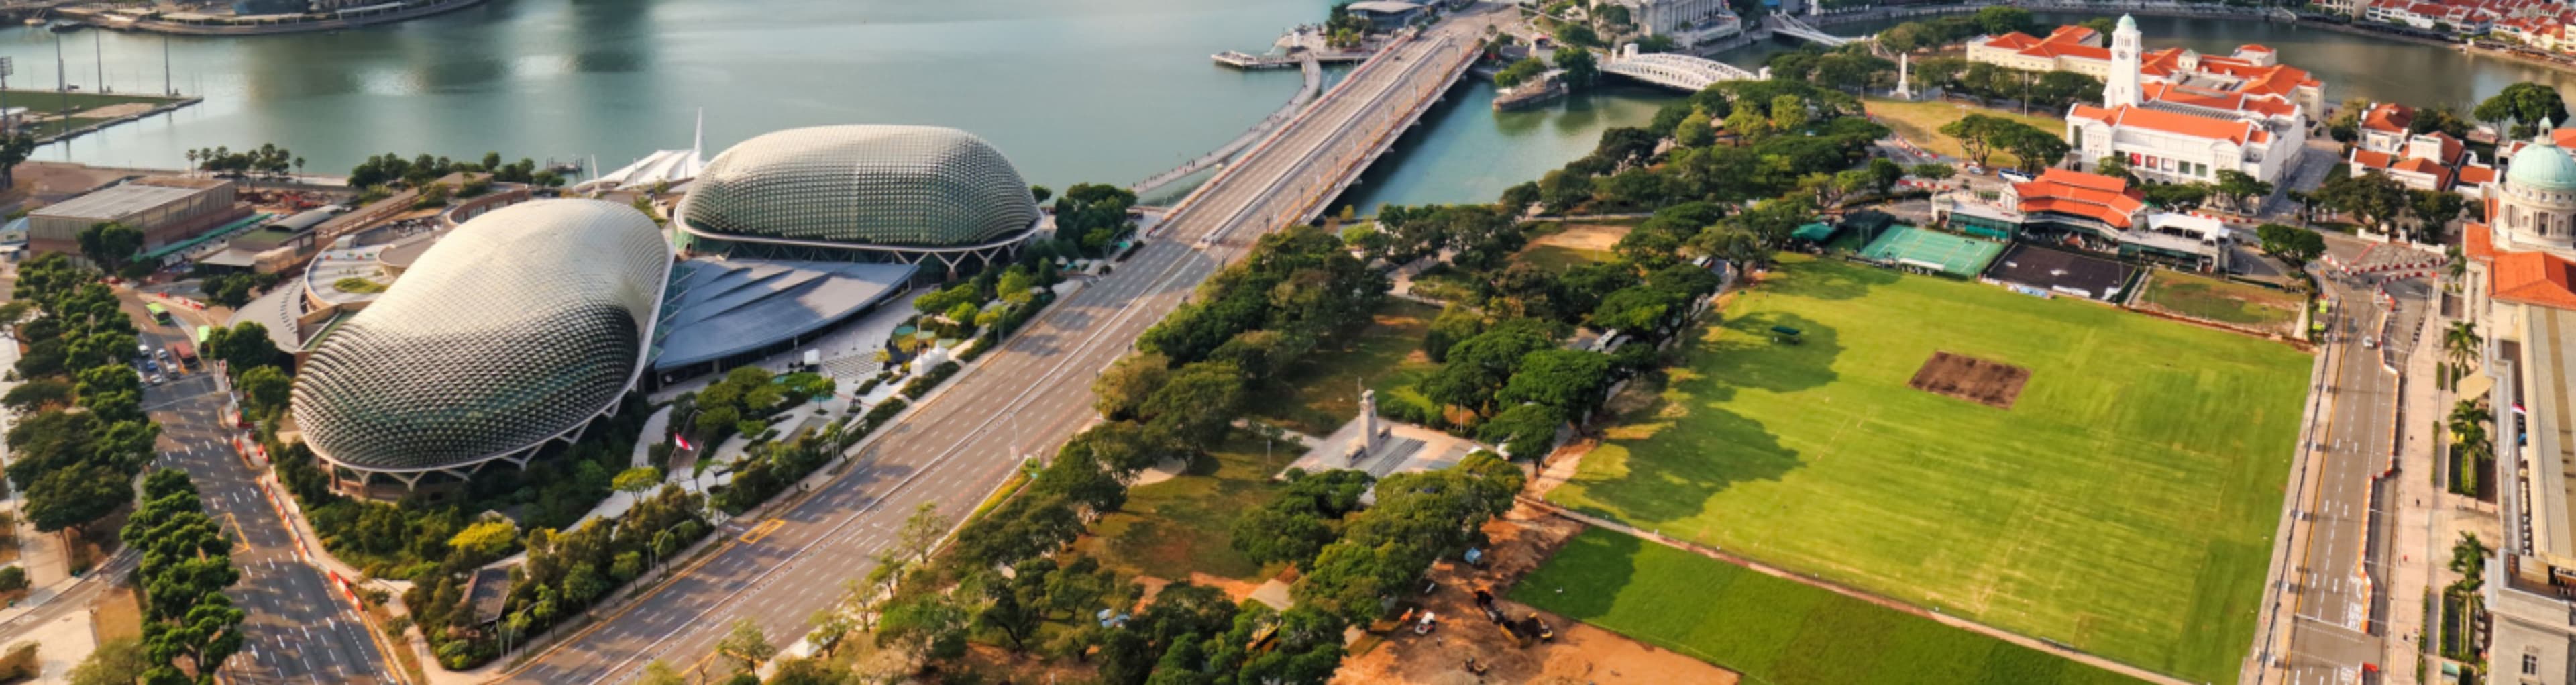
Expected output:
(1773, 630)
(1323, 389)
(2121, 499)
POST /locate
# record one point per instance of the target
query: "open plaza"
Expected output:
(2123, 504)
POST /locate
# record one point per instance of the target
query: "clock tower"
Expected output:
(2121, 88)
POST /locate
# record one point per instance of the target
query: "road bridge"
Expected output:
(1314, 72)
(1675, 70)
(1031, 393)
(1786, 25)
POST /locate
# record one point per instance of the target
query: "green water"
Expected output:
(1071, 90)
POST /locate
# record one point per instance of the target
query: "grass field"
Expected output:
(2124, 505)
(1323, 389)
(2222, 301)
(1921, 122)
(1172, 528)
(1774, 630)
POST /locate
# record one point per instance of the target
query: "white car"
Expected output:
(157, 379)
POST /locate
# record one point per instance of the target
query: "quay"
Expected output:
(200, 24)
(1305, 95)
(1251, 62)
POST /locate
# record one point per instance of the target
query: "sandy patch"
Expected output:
(1991, 383)
(1584, 237)
(126, 109)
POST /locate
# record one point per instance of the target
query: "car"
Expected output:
(157, 379)
(140, 348)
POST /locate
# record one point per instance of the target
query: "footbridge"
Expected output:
(1786, 25)
(1674, 70)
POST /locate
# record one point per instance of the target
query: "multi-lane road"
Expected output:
(2333, 614)
(301, 629)
(1026, 397)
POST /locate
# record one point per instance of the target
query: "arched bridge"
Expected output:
(1790, 26)
(1671, 70)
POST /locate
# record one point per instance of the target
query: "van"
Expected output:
(2016, 175)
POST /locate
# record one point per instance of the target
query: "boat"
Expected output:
(35, 21)
(68, 26)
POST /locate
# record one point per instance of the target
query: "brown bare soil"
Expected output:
(1994, 384)
(1585, 237)
(1522, 538)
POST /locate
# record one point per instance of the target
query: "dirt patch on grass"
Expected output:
(1585, 237)
(1994, 384)
(117, 613)
(1522, 539)
(116, 111)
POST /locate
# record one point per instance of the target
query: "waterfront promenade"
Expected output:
(954, 447)
(1314, 72)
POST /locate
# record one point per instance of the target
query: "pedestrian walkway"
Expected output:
(2426, 518)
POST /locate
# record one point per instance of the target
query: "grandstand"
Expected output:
(1916, 249)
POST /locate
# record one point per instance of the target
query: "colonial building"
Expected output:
(2521, 286)
(2432, 160)
(1687, 22)
(2089, 211)
(2251, 77)
(2198, 118)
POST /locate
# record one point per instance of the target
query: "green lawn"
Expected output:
(1774, 630)
(2223, 301)
(1921, 123)
(1323, 389)
(2124, 505)
(1172, 528)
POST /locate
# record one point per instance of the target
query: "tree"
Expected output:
(1932, 171)
(485, 540)
(746, 644)
(1694, 130)
(2291, 244)
(1747, 124)
(2433, 210)
(2003, 20)
(75, 496)
(1519, 72)
(2036, 149)
(659, 673)
(921, 532)
(1196, 407)
(928, 625)
(1572, 381)
(14, 150)
(2439, 118)
(265, 390)
(637, 481)
(1975, 133)
(2240, 188)
(2526, 104)
(1454, 324)
(1524, 430)
(1122, 389)
(2460, 342)
(1579, 65)
(110, 245)
(1789, 114)
(2373, 198)
(115, 662)
(243, 347)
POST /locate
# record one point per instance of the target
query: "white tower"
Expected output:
(2122, 87)
(1904, 73)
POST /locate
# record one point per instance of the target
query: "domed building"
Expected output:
(2521, 291)
(515, 331)
(861, 193)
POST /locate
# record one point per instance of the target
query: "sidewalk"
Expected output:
(2427, 519)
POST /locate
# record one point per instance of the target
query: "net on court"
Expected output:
(1954, 255)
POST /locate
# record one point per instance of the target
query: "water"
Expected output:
(1071, 90)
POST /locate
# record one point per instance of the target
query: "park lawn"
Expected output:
(2125, 504)
(1322, 390)
(1921, 123)
(2222, 301)
(1773, 630)
(1183, 525)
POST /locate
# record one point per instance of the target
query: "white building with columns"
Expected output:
(2185, 127)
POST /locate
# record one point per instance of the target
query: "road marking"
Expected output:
(761, 531)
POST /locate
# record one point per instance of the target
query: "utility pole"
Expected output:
(62, 80)
(165, 66)
(98, 53)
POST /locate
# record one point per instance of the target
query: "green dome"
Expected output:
(2543, 165)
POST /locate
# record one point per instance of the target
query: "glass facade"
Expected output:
(878, 186)
(519, 326)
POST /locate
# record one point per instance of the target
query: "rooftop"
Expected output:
(720, 308)
(120, 201)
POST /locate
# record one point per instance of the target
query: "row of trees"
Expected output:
(2044, 90)
(1980, 136)
(391, 169)
(565, 573)
(268, 160)
(190, 627)
(83, 436)
(1778, 132)
(1931, 33)
(2384, 205)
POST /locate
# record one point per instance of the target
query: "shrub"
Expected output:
(13, 578)
(20, 663)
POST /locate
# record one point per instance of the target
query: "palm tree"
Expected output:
(2460, 342)
(2468, 416)
(2456, 266)
(192, 162)
(299, 165)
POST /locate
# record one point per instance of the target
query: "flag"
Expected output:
(2518, 410)
(682, 441)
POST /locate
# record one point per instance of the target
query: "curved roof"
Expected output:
(2542, 165)
(519, 326)
(889, 186)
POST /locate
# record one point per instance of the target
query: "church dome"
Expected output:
(2543, 165)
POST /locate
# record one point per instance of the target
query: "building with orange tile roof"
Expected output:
(2177, 117)
(2251, 77)
(2427, 161)
(2088, 211)
(2521, 290)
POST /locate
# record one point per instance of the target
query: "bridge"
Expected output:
(964, 440)
(1786, 25)
(1674, 70)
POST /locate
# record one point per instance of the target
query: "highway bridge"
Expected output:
(1029, 395)
(1674, 70)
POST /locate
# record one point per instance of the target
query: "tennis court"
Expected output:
(1933, 252)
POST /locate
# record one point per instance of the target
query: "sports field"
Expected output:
(1774, 630)
(2124, 504)
(1955, 255)
(2224, 301)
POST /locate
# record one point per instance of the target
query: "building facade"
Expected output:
(2521, 287)
(912, 194)
(1687, 22)
(165, 209)
(2193, 117)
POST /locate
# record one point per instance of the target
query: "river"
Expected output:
(1071, 90)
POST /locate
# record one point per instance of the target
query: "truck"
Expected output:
(182, 356)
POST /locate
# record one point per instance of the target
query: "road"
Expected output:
(2337, 623)
(300, 628)
(1023, 399)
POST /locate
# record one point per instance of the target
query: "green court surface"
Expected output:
(1774, 630)
(1954, 255)
(2125, 504)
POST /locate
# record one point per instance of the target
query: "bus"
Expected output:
(160, 314)
(182, 356)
